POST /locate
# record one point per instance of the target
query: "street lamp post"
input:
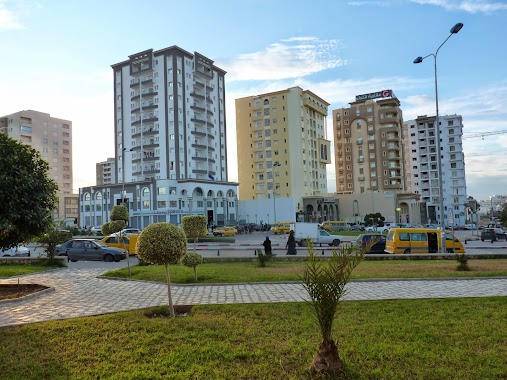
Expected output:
(455, 29)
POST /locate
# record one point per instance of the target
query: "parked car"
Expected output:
(129, 231)
(383, 229)
(377, 241)
(357, 227)
(487, 234)
(129, 243)
(90, 249)
(225, 231)
(96, 229)
(18, 251)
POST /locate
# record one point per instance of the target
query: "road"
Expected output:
(246, 244)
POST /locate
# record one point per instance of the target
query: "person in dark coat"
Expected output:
(291, 244)
(267, 246)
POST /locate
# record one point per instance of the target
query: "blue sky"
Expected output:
(56, 58)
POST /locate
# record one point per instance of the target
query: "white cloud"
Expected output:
(291, 58)
(476, 6)
(8, 18)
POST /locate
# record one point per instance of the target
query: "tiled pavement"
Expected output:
(80, 292)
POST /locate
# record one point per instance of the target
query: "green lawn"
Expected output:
(9, 270)
(405, 339)
(232, 272)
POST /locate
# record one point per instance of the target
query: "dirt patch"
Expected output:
(12, 291)
(163, 311)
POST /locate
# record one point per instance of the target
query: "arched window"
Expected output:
(87, 196)
(98, 195)
(266, 102)
(146, 192)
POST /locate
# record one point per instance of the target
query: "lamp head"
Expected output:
(418, 60)
(456, 28)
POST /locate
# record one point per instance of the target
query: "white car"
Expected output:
(18, 251)
(128, 231)
(96, 229)
(383, 229)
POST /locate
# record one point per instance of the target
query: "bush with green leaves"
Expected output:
(106, 229)
(325, 283)
(192, 260)
(194, 227)
(163, 244)
(50, 240)
(27, 193)
(462, 262)
(263, 258)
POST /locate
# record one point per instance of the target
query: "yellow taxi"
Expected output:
(282, 227)
(129, 243)
(225, 231)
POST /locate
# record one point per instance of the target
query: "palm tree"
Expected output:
(325, 283)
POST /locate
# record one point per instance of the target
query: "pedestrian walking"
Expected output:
(267, 246)
(493, 235)
(291, 244)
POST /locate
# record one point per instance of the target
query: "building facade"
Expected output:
(169, 117)
(422, 170)
(105, 172)
(52, 137)
(160, 201)
(368, 145)
(170, 142)
(283, 150)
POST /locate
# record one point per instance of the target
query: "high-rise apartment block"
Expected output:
(52, 137)
(169, 117)
(422, 170)
(283, 150)
(105, 172)
(170, 142)
(368, 145)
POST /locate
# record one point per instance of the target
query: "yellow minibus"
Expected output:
(333, 226)
(421, 240)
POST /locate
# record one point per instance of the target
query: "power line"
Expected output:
(482, 134)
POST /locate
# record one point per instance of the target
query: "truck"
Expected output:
(312, 231)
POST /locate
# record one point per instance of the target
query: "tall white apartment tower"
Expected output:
(169, 117)
(422, 170)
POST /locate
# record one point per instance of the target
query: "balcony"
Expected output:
(199, 146)
(199, 171)
(361, 179)
(198, 121)
(393, 147)
(198, 84)
(199, 158)
(197, 108)
(197, 96)
(392, 136)
(198, 132)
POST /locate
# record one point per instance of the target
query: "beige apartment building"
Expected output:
(105, 172)
(52, 137)
(283, 149)
(368, 145)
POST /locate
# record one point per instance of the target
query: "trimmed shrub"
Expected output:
(192, 260)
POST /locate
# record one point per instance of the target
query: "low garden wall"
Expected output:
(30, 260)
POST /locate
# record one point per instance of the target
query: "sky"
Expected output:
(57, 57)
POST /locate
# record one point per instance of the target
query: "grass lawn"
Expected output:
(18, 270)
(405, 339)
(232, 272)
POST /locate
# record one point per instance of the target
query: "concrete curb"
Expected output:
(28, 296)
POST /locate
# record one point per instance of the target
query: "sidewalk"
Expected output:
(80, 293)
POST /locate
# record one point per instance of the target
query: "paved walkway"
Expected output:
(80, 292)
